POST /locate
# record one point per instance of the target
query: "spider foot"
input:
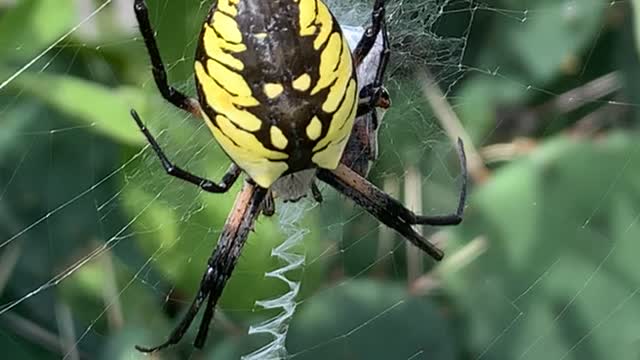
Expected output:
(315, 192)
(149, 350)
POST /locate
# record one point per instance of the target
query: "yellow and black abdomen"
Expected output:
(277, 85)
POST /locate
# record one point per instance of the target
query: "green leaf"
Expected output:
(369, 319)
(93, 105)
(635, 4)
(534, 45)
(15, 347)
(361, 319)
(40, 24)
(551, 32)
(558, 279)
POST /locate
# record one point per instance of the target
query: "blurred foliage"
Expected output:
(543, 265)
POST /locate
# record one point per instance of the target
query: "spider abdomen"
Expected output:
(276, 85)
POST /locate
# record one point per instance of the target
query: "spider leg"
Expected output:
(315, 192)
(370, 98)
(389, 210)
(247, 208)
(220, 265)
(228, 179)
(365, 194)
(269, 205)
(371, 33)
(179, 331)
(448, 219)
(168, 92)
(374, 95)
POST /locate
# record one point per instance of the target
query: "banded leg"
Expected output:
(365, 44)
(389, 210)
(228, 179)
(168, 92)
(316, 193)
(220, 265)
(269, 205)
(454, 218)
(374, 94)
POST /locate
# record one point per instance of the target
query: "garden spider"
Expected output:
(277, 87)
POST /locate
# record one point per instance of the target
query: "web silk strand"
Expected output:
(290, 216)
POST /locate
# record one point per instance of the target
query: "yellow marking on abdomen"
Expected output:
(314, 129)
(232, 82)
(326, 25)
(227, 27)
(307, 15)
(262, 170)
(277, 138)
(329, 158)
(338, 88)
(272, 90)
(247, 140)
(222, 102)
(314, 14)
(328, 63)
(228, 6)
(342, 121)
(302, 83)
(215, 48)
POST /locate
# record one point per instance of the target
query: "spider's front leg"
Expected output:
(371, 33)
(362, 148)
(228, 179)
(168, 92)
(373, 94)
(247, 207)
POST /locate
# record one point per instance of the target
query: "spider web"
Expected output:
(100, 250)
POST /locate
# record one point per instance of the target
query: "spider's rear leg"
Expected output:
(220, 265)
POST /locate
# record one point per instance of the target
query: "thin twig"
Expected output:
(110, 293)
(64, 317)
(10, 256)
(386, 235)
(8, 261)
(413, 201)
(454, 263)
(35, 333)
(605, 117)
(582, 95)
(525, 121)
(507, 151)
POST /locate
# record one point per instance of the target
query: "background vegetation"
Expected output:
(544, 265)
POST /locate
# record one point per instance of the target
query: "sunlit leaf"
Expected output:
(34, 25)
(556, 281)
(93, 105)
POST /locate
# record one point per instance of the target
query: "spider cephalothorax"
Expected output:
(277, 87)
